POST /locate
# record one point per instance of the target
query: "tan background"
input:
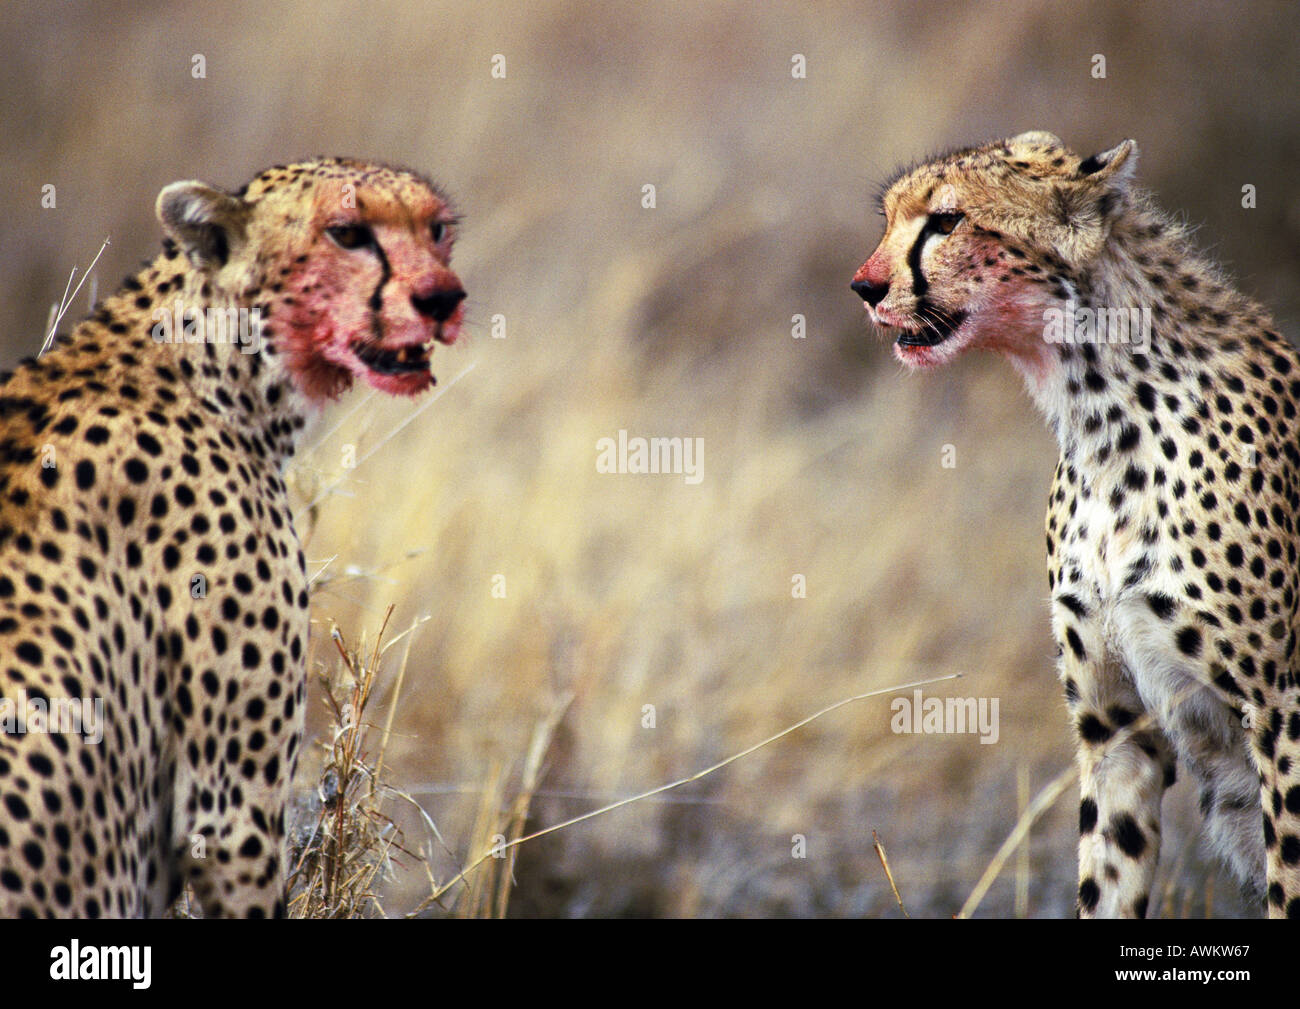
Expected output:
(821, 459)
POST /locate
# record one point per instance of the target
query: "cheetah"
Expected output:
(150, 576)
(1171, 533)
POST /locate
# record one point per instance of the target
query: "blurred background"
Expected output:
(821, 458)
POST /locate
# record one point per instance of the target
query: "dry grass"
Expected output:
(820, 459)
(488, 879)
(339, 855)
(345, 844)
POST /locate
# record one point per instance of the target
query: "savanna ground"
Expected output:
(820, 458)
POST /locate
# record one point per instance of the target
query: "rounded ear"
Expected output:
(203, 221)
(1099, 192)
(1118, 164)
(1035, 137)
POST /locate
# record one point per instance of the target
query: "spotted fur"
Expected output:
(147, 555)
(1171, 530)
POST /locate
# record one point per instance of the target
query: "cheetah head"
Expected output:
(979, 242)
(348, 264)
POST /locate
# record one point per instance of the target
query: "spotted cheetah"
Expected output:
(1171, 534)
(151, 582)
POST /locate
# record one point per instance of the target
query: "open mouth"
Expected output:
(938, 328)
(387, 361)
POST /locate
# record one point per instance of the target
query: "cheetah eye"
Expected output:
(351, 236)
(438, 231)
(944, 221)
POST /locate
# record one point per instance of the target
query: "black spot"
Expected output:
(1128, 835)
(1189, 641)
(1089, 894)
(1161, 605)
(1087, 816)
(33, 854)
(1093, 730)
(85, 473)
(1076, 645)
(17, 807)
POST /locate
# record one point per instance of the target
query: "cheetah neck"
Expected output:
(167, 317)
(1151, 319)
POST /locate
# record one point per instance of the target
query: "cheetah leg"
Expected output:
(1205, 730)
(1278, 753)
(232, 851)
(1122, 778)
(1119, 821)
(1211, 743)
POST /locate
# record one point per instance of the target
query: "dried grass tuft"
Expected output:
(348, 843)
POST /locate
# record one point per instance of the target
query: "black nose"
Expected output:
(439, 305)
(872, 294)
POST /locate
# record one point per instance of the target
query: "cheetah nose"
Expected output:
(872, 294)
(439, 305)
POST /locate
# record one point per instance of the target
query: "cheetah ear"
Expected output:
(1116, 165)
(1089, 204)
(1040, 138)
(203, 221)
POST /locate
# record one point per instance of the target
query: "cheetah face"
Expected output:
(980, 243)
(374, 296)
(910, 284)
(365, 288)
